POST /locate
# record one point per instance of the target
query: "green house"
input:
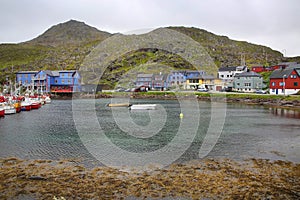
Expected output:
(247, 82)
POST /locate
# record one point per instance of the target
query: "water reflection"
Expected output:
(283, 112)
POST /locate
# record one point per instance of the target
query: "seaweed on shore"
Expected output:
(215, 179)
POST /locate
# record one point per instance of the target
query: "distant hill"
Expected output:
(64, 46)
(69, 33)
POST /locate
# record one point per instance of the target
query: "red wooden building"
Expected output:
(258, 69)
(285, 81)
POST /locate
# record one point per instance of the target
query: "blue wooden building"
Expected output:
(25, 77)
(64, 81)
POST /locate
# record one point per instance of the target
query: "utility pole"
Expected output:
(243, 60)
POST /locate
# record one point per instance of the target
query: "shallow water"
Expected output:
(249, 131)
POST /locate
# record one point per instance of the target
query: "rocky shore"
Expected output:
(202, 179)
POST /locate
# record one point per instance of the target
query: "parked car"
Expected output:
(261, 92)
(202, 90)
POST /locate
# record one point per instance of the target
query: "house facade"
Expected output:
(159, 81)
(193, 79)
(144, 80)
(226, 74)
(247, 82)
(65, 81)
(176, 78)
(25, 77)
(285, 81)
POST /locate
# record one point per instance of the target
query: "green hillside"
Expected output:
(227, 52)
(64, 46)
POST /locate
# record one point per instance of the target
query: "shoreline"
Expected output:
(208, 178)
(287, 102)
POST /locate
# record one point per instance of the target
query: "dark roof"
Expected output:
(224, 69)
(248, 74)
(279, 73)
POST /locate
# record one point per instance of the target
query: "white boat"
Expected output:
(9, 109)
(47, 99)
(143, 107)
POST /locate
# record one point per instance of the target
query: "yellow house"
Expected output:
(205, 81)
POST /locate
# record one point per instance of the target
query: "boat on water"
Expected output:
(47, 100)
(118, 104)
(9, 109)
(2, 112)
(36, 102)
(17, 105)
(143, 107)
(25, 104)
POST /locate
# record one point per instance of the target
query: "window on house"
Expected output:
(247, 84)
(62, 81)
(273, 83)
(62, 75)
(295, 83)
(69, 81)
(281, 84)
(222, 76)
(238, 83)
(55, 81)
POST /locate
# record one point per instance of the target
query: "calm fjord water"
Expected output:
(249, 132)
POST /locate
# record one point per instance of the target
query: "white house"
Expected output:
(226, 74)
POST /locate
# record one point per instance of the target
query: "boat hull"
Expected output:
(10, 111)
(119, 105)
(2, 112)
(35, 106)
(143, 107)
(25, 106)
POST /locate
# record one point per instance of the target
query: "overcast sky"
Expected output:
(274, 23)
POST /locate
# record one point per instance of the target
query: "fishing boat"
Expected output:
(119, 105)
(2, 112)
(25, 104)
(143, 107)
(35, 104)
(17, 105)
(47, 100)
(9, 109)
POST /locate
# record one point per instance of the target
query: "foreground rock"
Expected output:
(214, 179)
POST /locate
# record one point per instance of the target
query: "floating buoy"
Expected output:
(181, 115)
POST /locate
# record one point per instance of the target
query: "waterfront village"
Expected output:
(284, 79)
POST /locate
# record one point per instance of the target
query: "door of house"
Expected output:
(276, 91)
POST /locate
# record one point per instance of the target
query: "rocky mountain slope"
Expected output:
(64, 46)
